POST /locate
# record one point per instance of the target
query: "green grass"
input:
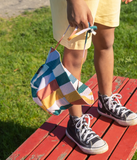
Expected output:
(24, 45)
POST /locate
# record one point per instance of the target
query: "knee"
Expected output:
(104, 39)
(74, 58)
(107, 42)
(103, 43)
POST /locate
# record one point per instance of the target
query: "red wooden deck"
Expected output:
(50, 142)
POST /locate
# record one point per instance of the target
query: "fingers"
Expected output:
(127, 1)
(83, 23)
(80, 24)
(90, 19)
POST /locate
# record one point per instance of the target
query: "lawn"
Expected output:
(24, 44)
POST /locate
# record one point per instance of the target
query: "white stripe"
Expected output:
(42, 71)
(58, 70)
(68, 73)
(75, 85)
(80, 83)
(33, 86)
(58, 104)
(46, 80)
(67, 88)
(86, 91)
(84, 30)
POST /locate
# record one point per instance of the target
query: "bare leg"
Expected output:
(104, 58)
(72, 61)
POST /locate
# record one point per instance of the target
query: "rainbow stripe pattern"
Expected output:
(55, 89)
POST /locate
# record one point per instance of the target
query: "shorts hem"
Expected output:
(73, 46)
(107, 23)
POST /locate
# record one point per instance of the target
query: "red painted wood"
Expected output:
(50, 142)
(61, 151)
(93, 111)
(37, 137)
(119, 83)
(92, 81)
(128, 144)
(114, 134)
(41, 133)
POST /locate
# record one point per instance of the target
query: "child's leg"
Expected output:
(72, 61)
(104, 58)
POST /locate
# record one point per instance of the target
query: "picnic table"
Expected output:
(50, 142)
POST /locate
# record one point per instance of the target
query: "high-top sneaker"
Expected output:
(79, 131)
(112, 108)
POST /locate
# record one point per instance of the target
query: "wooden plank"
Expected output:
(50, 142)
(114, 134)
(41, 133)
(59, 152)
(128, 144)
(92, 81)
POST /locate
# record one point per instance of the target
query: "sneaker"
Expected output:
(79, 131)
(112, 108)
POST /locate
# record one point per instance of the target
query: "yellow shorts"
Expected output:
(105, 12)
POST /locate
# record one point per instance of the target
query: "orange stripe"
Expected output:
(52, 98)
(51, 87)
(71, 37)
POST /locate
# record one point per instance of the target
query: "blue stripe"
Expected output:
(52, 56)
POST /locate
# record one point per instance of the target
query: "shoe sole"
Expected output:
(90, 151)
(121, 122)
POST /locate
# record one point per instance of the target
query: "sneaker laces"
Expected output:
(85, 131)
(115, 105)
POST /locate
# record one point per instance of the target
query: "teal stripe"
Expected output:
(62, 79)
(65, 107)
(82, 88)
(72, 78)
(57, 112)
(34, 92)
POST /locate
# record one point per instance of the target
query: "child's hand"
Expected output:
(127, 1)
(78, 14)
